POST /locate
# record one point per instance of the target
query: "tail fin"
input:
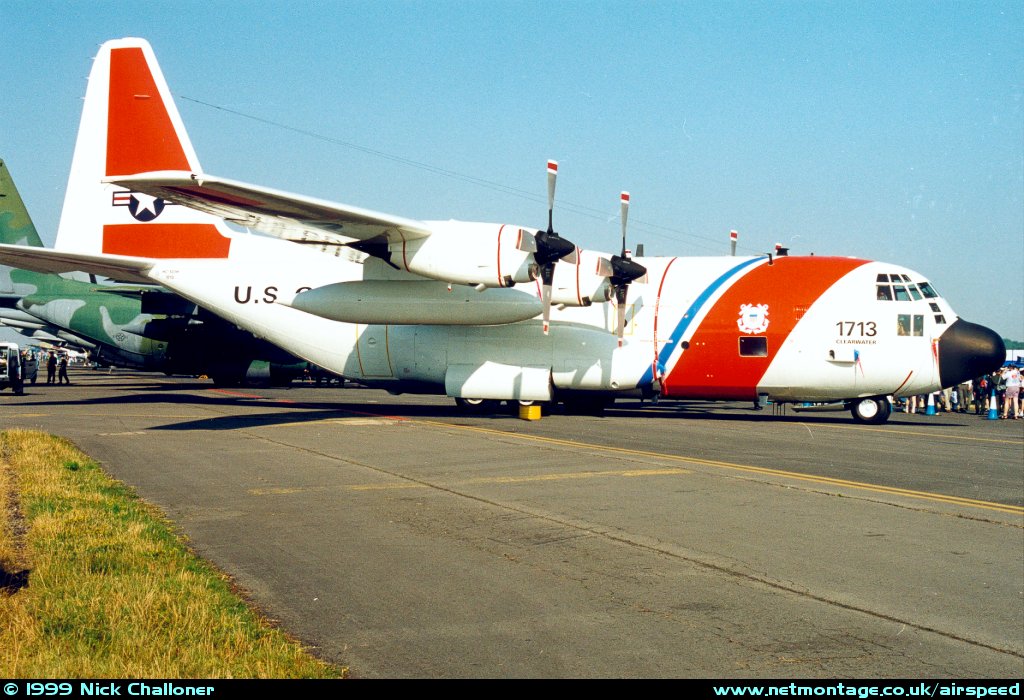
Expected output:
(129, 125)
(16, 228)
(16, 225)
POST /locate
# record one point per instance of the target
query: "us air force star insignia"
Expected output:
(144, 207)
(753, 319)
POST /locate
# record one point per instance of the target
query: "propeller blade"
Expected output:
(546, 302)
(526, 242)
(624, 271)
(549, 248)
(620, 307)
(547, 276)
(623, 214)
(552, 175)
(733, 237)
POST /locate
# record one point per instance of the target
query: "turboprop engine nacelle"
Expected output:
(501, 255)
(582, 283)
(494, 255)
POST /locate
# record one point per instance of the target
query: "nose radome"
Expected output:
(967, 350)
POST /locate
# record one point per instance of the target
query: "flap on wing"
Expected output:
(124, 290)
(276, 213)
(118, 267)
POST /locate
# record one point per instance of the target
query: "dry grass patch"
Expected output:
(111, 591)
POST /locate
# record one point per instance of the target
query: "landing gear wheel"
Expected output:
(478, 406)
(871, 411)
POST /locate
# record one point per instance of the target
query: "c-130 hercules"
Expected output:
(488, 312)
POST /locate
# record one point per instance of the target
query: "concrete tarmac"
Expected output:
(676, 540)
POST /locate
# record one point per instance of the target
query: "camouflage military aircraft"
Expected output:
(133, 326)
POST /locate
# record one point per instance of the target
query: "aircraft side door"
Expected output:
(372, 351)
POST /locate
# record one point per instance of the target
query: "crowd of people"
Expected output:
(56, 367)
(976, 395)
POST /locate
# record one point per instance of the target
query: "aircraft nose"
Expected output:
(967, 350)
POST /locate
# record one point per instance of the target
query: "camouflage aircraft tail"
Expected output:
(130, 124)
(109, 320)
(16, 228)
(35, 303)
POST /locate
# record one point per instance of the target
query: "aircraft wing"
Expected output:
(119, 267)
(274, 212)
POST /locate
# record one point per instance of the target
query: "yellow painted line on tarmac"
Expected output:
(387, 487)
(749, 469)
(282, 490)
(407, 485)
(628, 473)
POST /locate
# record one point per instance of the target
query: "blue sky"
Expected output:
(891, 131)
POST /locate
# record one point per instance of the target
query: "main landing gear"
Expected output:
(871, 411)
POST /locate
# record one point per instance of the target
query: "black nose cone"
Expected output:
(967, 350)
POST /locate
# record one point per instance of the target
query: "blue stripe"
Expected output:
(691, 313)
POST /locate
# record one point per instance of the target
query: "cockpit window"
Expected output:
(910, 325)
(898, 287)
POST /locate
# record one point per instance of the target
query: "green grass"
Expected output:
(111, 591)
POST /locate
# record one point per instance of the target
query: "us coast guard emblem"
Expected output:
(753, 318)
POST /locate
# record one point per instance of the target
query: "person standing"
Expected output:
(912, 403)
(1011, 396)
(51, 368)
(982, 390)
(63, 374)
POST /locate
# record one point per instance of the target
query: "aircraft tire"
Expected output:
(477, 406)
(871, 411)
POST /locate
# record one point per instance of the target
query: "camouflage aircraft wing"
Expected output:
(117, 267)
(277, 213)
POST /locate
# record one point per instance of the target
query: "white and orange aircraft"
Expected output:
(486, 312)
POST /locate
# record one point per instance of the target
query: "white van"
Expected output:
(10, 368)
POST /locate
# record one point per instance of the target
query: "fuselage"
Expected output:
(785, 328)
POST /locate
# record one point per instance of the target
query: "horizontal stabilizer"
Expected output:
(273, 212)
(118, 267)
